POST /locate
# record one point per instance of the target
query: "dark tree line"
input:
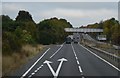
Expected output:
(23, 30)
(52, 29)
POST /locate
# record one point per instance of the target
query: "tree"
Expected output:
(26, 23)
(8, 24)
(116, 34)
(24, 16)
(111, 28)
(51, 30)
(100, 25)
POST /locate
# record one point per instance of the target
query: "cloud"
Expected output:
(11, 9)
(60, 0)
(80, 13)
(0, 8)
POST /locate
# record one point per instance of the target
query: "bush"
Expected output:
(10, 43)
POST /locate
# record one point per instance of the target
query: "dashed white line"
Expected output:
(34, 64)
(30, 76)
(38, 68)
(79, 67)
(78, 62)
(76, 58)
(35, 71)
(41, 65)
(75, 55)
(101, 58)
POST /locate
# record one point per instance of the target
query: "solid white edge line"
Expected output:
(34, 64)
(57, 50)
(101, 58)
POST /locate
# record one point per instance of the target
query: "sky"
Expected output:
(59, 0)
(77, 13)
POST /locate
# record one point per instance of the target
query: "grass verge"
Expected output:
(10, 63)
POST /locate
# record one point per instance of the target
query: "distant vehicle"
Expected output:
(68, 40)
(71, 36)
(101, 37)
(76, 37)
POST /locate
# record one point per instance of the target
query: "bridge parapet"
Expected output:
(83, 30)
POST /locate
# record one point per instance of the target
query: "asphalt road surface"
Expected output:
(67, 60)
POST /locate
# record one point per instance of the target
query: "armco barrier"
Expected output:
(112, 58)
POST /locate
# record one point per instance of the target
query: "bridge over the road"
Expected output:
(87, 30)
(83, 30)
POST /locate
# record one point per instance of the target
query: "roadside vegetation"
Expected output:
(111, 28)
(22, 38)
(14, 61)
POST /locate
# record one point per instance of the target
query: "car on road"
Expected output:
(68, 40)
(76, 37)
(76, 40)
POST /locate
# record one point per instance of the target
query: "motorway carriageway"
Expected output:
(67, 60)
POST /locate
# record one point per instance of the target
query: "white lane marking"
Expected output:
(57, 51)
(50, 67)
(34, 64)
(41, 65)
(55, 74)
(30, 76)
(101, 58)
(75, 55)
(78, 62)
(79, 67)
(38, 68)
(35, 71)
(76, 58)
(60, 65)
(50, 57)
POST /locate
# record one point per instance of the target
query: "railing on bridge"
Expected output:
(83, 30)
